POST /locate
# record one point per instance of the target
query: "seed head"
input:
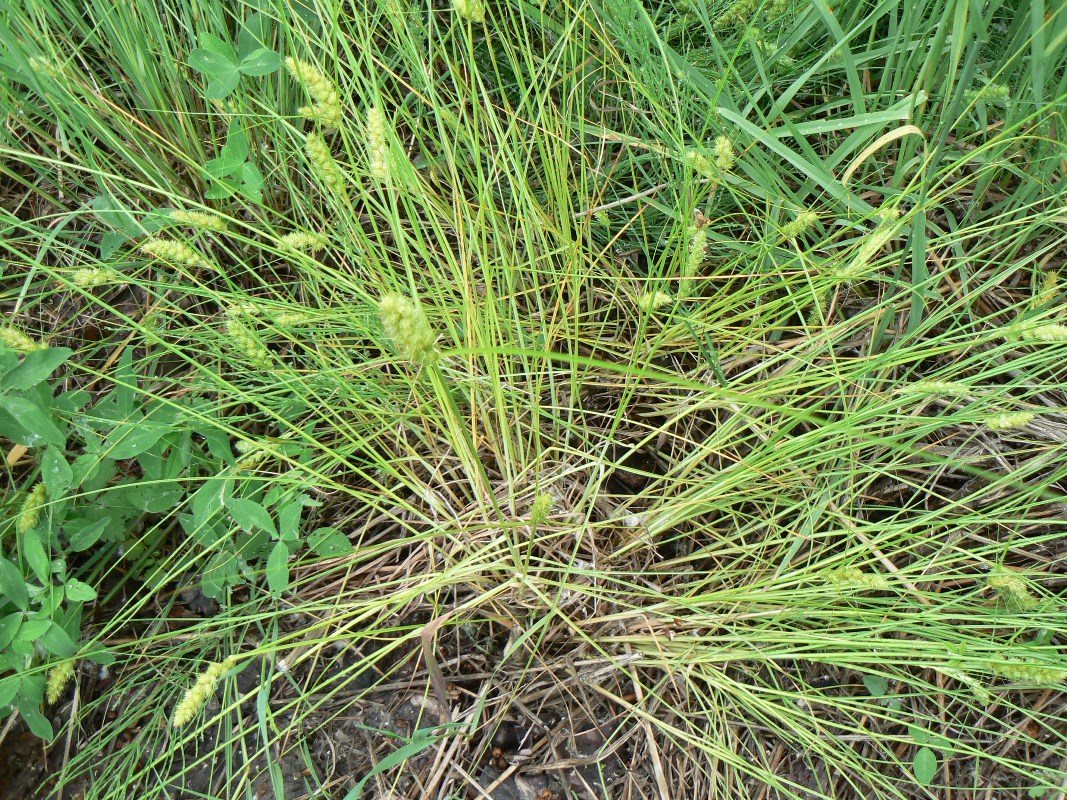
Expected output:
(203, 220)
(377, 144)
(58, 678)
(196, 697)
(324, 166)
(303, 242)
(406, 325)
(14, 339)
(473, 10)
(325, 108)
(176, 253)
(799, 226)
(30, 513)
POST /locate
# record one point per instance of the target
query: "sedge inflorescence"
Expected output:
(406, 325)
(203, 220)
(325, 108)
(324, 166)
(30, 513)
(1014, 591)
(473, 10)
(59, 677)
(196, 698)
(176, 253)
(19, 341)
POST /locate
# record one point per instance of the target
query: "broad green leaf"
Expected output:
(214, 44)
(920, 735)
(110, 242)
(56, 473)
(876, 685)
(207, 501)
(13, 585)
(98, 654)
(261, 62)
(35, 367)
(253, 34)
(210, 64)
(32, 630)
(329, 542)
(278, 568)
(83, 534)
(221, 189)
(223, 85)
(237, 140)
(36, 721)
(289, 520)
(56, 641)
(155, 497)
(79, 592)
(9, 626)
(253, 182)
(924, 765)
(33, 424)
(9, 687)
(133, 438)
(36, 556)
(221, 572)
(251, 546)
(225, 165)
(250, 515)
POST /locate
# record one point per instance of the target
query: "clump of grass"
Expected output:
(841, 390)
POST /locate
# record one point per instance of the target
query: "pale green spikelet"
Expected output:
(1013, 590)
(725, 157)
(176, 253)
(702, 164)
(14, 339)
(737, 14)
(91, 277)
(654, 301)
(324, 166)
(303, 242)
(1049, 286)
(1034, 331)
(858, 268)
(852, 579)
(602, 219)
(30, 513)
(252, 455)
(799, 226)
(406, 325)
(981, 694)
(243, 308)
(284, 319)
(716, 165)
(377, 135)
(540, 509)
(995, 94)
(45, 66)
(1010, 420)
(196, 698)
(887, 214)
(698, 251)
(202, 220)
(325, 108)
(931, 387)
(58, 677)
(245, 342)
(1031, 673)
(473, 10)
